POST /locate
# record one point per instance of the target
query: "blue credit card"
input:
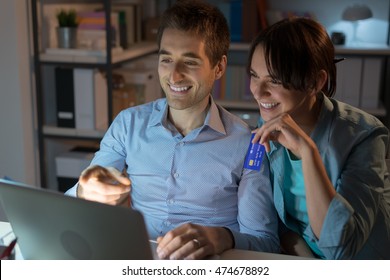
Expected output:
(254, 155)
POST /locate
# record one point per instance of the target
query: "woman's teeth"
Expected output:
(268, 105)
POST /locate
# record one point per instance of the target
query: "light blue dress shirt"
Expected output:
(352, 145)
(196, 179)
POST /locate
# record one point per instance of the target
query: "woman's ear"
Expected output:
(322, 79)
(220, 67)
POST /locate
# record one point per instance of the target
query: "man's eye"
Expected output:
(191, 63)
(165, 60)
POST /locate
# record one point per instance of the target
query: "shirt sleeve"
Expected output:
(111, 153)
(257, 216)
(354, 210)
(72, 191)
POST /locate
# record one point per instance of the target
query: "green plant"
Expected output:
(67, 18)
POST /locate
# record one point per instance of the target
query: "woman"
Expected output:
(327, 158)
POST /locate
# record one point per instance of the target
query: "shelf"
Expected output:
(80, 56)
(252, 106)
(238, 105)
(363, 49)
(55, 131)
(235, 46)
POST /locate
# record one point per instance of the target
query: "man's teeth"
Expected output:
(268, 105)
(179, 88)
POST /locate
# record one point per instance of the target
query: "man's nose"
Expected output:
(176, 74)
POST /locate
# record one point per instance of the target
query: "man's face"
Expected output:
(185, 72)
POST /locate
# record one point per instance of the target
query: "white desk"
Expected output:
(233, 254)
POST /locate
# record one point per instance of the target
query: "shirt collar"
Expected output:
(159, 113)
(323, 123)
(212, 120)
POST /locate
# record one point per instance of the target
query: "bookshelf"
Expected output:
(54, 139)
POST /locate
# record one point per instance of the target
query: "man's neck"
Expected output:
(187, 120)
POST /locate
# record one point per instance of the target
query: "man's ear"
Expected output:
(220, 67)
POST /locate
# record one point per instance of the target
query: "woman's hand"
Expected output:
(285, 130)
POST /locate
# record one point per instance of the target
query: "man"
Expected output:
(184, 154)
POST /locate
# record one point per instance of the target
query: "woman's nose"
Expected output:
(258, 89)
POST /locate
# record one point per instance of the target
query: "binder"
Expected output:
(65, 97)
(84, 89)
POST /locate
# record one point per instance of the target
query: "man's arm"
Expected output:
(257, 215)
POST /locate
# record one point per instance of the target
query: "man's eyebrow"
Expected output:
(162, 51)
(187, 54)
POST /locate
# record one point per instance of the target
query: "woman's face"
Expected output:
(273, 99)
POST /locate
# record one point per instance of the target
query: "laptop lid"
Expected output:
(51, 225)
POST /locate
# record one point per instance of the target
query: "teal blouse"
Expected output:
(352, 145)
(295, 199)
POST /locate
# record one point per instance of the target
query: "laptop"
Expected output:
(50, 225)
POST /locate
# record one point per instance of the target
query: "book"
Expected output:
(100, 101)
(236, 20)
(250, 20)
(123, 42)
(96, 20)
(262, 13)
(65, 97)
(127, 14)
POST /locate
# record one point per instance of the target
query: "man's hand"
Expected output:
(105, 185)
(191, 241)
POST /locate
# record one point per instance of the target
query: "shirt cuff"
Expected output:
(72, 191)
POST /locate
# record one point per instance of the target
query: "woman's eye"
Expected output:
(275, 82)
(253, 74)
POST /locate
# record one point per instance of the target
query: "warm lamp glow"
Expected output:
(357, 12)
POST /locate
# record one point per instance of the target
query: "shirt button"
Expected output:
(170, 201)
(176, 175)
(182, 144)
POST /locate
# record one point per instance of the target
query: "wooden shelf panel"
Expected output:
(55, 131)
(136, 51)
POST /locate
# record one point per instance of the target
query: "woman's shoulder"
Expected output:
(348, 115)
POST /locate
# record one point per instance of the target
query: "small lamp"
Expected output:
(356, 13)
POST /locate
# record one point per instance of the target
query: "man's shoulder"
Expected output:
(230, 119)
